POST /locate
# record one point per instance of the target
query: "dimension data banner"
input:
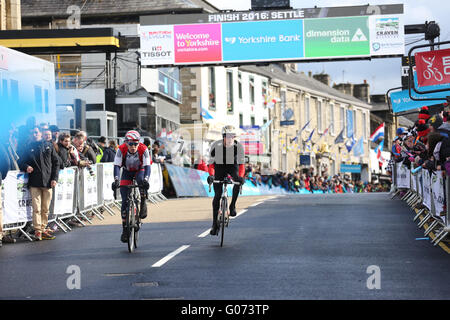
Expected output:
(283, 35)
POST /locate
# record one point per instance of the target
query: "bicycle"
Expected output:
(223, 217)
(133, 221)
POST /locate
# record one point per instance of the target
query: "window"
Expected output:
(264, 93)
(38, 99)
(319, 115)
(93, 127)
(230, 91)
(212, 88)
(364, 125)
(241, 120)
(283, 104)
(252, 121)
(331, 119)
(307, 112)
(240, 85)
(342, 120)
(251, 82)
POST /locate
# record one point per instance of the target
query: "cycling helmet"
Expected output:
(228, 130)
(132, 135)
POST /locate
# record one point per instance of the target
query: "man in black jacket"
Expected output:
(66, 152)
(110, 152)
(40, 161)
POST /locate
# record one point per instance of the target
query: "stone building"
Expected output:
(301, 99)
(10, 18)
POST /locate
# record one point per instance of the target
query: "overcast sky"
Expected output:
(381, 74)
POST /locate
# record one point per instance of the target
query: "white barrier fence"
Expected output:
(78, 193)
(428, 192)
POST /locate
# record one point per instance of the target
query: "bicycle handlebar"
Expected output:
(227, 182)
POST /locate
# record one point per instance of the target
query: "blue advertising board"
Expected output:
(351, 168)
(401, 101)
(262, 40)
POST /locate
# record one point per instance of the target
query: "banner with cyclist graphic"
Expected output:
(433, 67)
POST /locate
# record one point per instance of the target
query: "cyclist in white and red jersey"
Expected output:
(133, 157)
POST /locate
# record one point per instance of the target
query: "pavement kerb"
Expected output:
(181, 210)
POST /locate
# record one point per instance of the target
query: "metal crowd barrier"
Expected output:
(79, 195)
(426, 195)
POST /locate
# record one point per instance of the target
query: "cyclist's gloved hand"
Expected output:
(210, 179)
(115, 185)
(145, 184)
(241, 180)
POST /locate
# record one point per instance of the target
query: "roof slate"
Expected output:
(43, 8)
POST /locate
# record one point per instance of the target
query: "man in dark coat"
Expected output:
(40, 160)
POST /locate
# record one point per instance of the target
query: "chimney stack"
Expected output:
(323, 77)
(362, 92)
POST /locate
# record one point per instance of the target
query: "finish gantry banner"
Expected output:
(280, 35)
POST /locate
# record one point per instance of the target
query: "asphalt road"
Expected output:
(287, 248)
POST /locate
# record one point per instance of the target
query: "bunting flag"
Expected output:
(323, 134)
(378, 133)
(339, 138)
(206, 115)
(294, 139)
(265, 126)
(378, 151)
(162, 133)
(310, 136)
(272, 103)
(304, 127)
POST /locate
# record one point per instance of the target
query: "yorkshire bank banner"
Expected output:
(300, 34)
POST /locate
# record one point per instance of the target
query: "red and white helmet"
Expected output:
(132, 135)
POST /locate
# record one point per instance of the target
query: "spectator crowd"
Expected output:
(426, 145)
(297, 181)
(41, 151)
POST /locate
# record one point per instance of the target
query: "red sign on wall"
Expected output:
(433, 67)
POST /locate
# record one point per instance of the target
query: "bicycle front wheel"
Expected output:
(137, 226)
(223, 220)
(130, 225)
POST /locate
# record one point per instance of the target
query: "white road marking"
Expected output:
(255, 204)
(204, 234)
(169, 256)
(239, 213)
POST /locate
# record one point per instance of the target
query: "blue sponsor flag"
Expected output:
(359, 148)
(349, 145)
(349, 123)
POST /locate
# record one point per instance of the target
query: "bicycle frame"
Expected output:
(223, 216)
